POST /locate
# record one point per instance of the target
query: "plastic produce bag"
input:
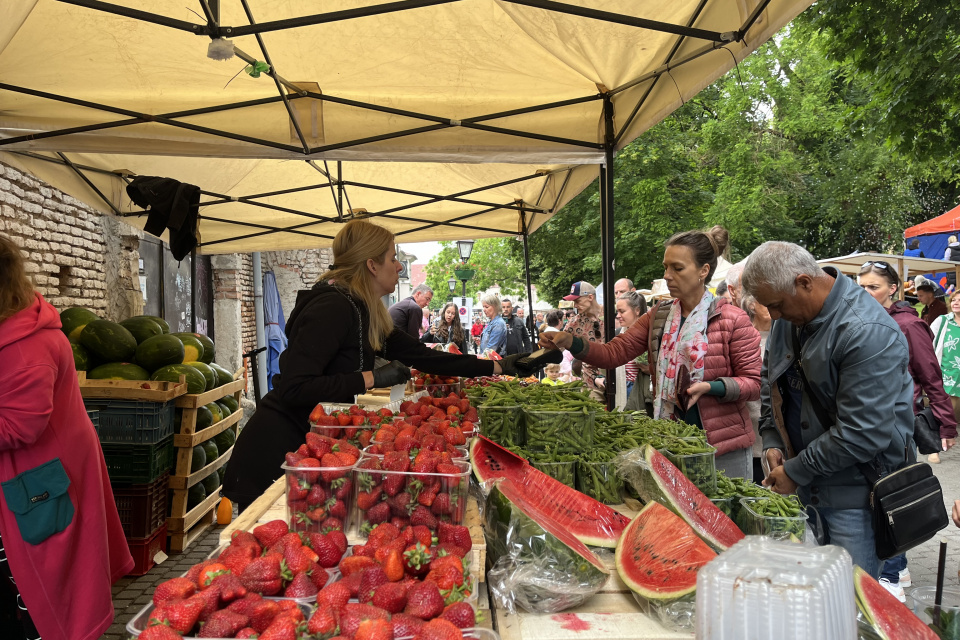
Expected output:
(537, 565)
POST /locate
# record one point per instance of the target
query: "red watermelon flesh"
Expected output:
(889, 617)
(658, 555)
(666, 484)
(590, 521)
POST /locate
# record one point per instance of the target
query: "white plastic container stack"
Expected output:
(762, 588)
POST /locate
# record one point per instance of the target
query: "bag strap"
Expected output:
(868, 471)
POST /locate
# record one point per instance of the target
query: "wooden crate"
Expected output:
(185, 526)
(140, 390)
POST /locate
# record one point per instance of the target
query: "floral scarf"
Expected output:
(681, 357)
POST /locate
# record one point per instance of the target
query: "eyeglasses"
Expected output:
(879, 264)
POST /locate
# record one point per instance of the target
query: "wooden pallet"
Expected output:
(185, 526)
(139, 390)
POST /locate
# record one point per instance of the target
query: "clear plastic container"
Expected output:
(463, 453)
(565, 472)
(357, 436)
(139, 622)
(333, 573)
(561, 431)
(753, 523)
(600, 481)
(392, 485)
(921, 601)
(476, 633)
(441, 390)
(761, 588)
(700, 468)
(310, 491)
(727, 505)
(504, 425)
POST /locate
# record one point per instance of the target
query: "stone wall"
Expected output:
(295, 270)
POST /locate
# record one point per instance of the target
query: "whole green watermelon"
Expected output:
(159, 351)
(74, 319)
(119, 371)
(223, 376)
(196, 383)
(108, 341)
(160, 321)
(225, 440)
(142, 328)
(81, 357)
(209, 374)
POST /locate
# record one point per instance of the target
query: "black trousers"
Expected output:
(15, 621)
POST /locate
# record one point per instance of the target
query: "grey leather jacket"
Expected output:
(855, 359)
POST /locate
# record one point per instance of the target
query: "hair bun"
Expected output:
(720, 239)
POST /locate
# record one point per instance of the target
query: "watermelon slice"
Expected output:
(545, 567)
(662, 482)
(658, 555)
(590, 521)
(889, 617)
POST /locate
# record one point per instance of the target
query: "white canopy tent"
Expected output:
(440, 118)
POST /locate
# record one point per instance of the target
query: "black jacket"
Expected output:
(430, 337)
(518, 339)
(407, 316)
(322, 363)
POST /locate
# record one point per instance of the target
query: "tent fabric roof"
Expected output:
(440, 97)
(905, 265)
(949, 221)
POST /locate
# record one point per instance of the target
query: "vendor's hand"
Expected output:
(956, 512)
(946, 443)
(772, 458)
(779, 482)
(695, 392)
(556, 340)
(390, 374)
(509, 366)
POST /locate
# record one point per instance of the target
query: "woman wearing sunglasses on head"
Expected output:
(881, 281)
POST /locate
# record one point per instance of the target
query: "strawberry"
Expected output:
(422, 535)
(270, 532)
(339, 538)
(357, 421)
(315, 496)
(424, 601)
(444, 560)
(370, 579)
(229, 587)
(264, 575)
(449, 581)
(378, 513)
(428, 494)
(173, 590)
(422, 515)
(443, 504)
(318, 575)
(328, 553)
(159, 632)
(353, 614)
(334, 595)
(183, 615)
(243, 539)
(317, 445)
(343, 419)
(290, 540)
(308, 476)
(296, 561)
(393, 566)
(405, 626)
(391, 596)
(449, 469)
(451, 549)
(223, 624)
(342, 446)
(461, 614)
(245, 604)
(300, 587)
(302, 450)
(416, 559)
(352, 582)
(456, 534)
(355, 564)
(291, 458)
(400, 522)
(343, 487)
(382, 534)
(323, 622)
(396, 461)
(211, 601)
(247, 632)
(297, 487)
(367, 499)
(282, 628)
(401, 505)
(291, 609)
(332, 468)
(374, 630)
(364, 550)
(332, 524)
(262, 614)
(440, 629)
(337, 508)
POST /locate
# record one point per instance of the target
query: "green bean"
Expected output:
(597, 478)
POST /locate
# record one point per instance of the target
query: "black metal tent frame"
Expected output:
(288, 92)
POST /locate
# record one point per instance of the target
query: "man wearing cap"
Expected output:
(933, 307)
(588, 326)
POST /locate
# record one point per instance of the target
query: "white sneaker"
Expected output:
(894, 588)
(905, 578)
(933, 458)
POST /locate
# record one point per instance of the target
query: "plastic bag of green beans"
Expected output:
(598, 479)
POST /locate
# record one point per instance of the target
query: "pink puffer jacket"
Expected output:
(733, 356)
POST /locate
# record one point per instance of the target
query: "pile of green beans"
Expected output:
(560, 467)
(696, 462)
(503, 424)
(597, 477)
(778, 516)
(566, 427)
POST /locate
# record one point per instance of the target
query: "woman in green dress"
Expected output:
(946, 344)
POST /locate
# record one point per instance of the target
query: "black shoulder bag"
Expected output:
(907, 504)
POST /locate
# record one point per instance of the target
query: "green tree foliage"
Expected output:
(495, 263)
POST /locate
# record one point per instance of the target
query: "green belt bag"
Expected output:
(38, 498)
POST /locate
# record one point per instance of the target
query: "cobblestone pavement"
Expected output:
(922, 561)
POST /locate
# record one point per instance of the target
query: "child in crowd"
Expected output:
(553, 374)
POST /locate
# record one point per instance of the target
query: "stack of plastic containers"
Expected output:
(761, 588)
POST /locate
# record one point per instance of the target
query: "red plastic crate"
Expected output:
(142, 507)
(143, 550)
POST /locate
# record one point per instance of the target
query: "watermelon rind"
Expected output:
(592, 522)
(658, 480)
(890, 618)
(659, 554)
(74, 319)
(109, 341)
(159, 351)
(548, 568)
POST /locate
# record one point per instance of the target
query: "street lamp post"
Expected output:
(452, 283)
(464, 248)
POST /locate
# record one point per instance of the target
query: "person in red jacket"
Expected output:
(61, 541)
(704, 351)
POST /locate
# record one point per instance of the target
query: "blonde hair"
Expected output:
(16, 290)
(356, 243)
(551, 368)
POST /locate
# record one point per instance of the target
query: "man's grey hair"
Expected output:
(734, 274)
(777, 265)
(422, 288)
(628, 281)
(746, 303)
(492, 301)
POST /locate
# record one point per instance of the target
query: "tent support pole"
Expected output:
(138, 15)
(89, 183)
(434, 197)
(606, 241)
(254, 225)
(526, 270)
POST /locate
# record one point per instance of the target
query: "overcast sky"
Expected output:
(423, 250)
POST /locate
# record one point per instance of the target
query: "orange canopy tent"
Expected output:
(945, 223)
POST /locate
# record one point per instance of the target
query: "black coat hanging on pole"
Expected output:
(172, 205)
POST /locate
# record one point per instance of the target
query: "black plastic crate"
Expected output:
(132, 422)
(138, 463)
(94, 415)
(142, 507)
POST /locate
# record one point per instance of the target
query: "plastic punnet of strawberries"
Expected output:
(355, 425)
(320, 483)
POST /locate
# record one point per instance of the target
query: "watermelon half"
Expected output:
(661, 481)
(889, 617)
(658, 555)
(590, 521)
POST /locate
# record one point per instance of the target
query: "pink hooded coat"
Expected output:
(64, 580)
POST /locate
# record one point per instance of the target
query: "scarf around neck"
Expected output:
(681, 357)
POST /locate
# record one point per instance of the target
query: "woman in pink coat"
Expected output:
(704, 352)
(60, 535)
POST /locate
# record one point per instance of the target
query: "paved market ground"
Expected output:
(130, 594)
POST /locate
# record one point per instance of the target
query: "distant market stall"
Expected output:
(906, 266)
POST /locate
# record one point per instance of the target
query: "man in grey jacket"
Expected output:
(854, 359)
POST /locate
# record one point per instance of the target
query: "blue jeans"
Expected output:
(630, 387)
(893, 567)
(851, 529)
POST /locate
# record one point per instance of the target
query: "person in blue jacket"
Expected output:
(494, 336)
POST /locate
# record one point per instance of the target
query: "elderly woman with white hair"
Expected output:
(494, 336)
